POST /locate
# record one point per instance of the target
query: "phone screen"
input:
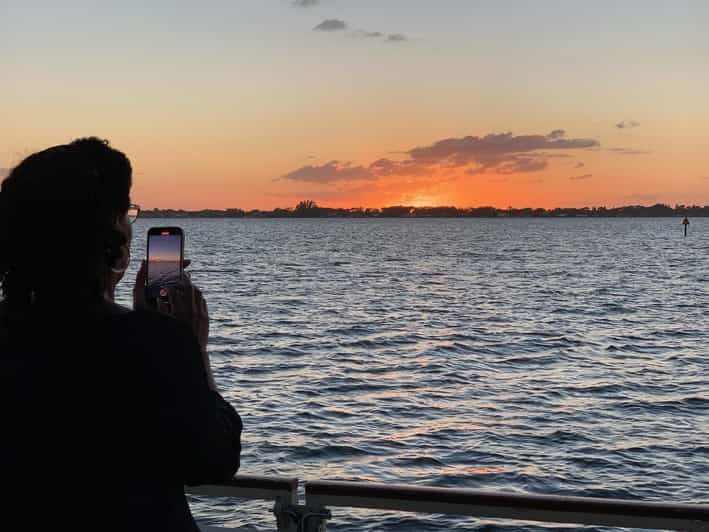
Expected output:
(165, 248)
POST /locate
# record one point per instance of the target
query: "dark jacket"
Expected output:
(105, 420)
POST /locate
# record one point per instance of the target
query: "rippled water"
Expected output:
(544, 356)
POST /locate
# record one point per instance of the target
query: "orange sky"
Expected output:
(248, 104)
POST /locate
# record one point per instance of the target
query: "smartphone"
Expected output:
(166, 248)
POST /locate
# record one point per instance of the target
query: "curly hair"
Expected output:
(58, 235)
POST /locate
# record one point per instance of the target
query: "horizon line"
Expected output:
(424, 207)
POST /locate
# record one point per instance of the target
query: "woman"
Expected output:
(106, 412)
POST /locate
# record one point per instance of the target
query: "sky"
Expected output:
(165, 248)
(368, 103)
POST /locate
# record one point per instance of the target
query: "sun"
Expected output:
(425, 200)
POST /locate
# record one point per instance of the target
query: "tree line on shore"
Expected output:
(310, 209)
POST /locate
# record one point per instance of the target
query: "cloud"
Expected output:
(305, 3)
(581, 177)
(397, 37)
(389, 167)
(627, 124)
(628, 151)
(331, 24)
(579, 165)
(389, 38)
(332, 172)
(368, 34)
(499, 151)
(514, 165)
(522, 165)
(334, 24)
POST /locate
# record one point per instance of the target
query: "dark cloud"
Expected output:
(581, 177)
(522, 165)
(627, 151)
(305, 3)
(368, 34)
(332, 172)
(390, 37)
(474, 149)
(397, 37)
(335, 24)
(627, 124)
(500, 151)
(331, 24)
(388, 167)
(579, 165)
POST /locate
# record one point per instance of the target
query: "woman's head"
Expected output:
(63, 226)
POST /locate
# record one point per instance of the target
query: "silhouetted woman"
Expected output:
(107, 412)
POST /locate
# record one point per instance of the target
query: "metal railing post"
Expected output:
(284, 491)
(282, 511)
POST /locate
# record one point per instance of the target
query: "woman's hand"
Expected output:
(186, 303)
(139, 302)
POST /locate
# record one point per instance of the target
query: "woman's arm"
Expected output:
(204, 429)
(200, 431)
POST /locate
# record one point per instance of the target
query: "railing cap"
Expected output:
(559, 503)
(260, 482)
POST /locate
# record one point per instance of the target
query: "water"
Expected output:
(563, 356)
(162, 274)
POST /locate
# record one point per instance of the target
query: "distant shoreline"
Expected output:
(309, 209)
(197, 217)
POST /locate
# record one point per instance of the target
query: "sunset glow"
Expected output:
(261, 104)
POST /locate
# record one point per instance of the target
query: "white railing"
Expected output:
(319, 495)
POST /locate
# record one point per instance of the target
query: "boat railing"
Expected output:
(282, 491)
(313, 514)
